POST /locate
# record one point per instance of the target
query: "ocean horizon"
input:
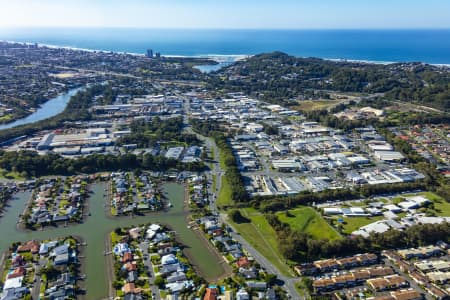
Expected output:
(371, 45)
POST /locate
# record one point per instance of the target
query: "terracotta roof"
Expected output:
(127, 256)
(437, 292)
(18, 272)
(383, 271)
(378, 283)
(361, 274)
(32, 246)
(130, 266)
(211, 294)
(242, 262)
(396, 280)
(323, 282)
(129, 288)
(406, 295)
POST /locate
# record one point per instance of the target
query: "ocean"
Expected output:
(430, 46)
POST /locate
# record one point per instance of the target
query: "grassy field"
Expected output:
(441, 206)
(11, 175)
(263, 238)
(354, 223)
(6, 118)
(214, 182)
(224, 197)
(309, 105)
(306, 219)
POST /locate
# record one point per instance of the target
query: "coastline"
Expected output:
(220, 58)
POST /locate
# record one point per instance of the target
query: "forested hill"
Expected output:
(277, 77)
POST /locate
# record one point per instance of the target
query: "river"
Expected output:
(97, 227)
(222, 61)
(49, 109)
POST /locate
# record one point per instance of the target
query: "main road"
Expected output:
(217, 171)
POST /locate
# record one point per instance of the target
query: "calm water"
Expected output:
(431, 46)
(97, 227)
(212, 68)
(49, 109)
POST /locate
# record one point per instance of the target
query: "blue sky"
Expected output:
(274, 14)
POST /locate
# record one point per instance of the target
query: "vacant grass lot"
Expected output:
(263, 238)
(224, 197)
(308, 105)
(306, 219)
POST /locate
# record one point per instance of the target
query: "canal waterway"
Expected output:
(49, 109)
(97, 227)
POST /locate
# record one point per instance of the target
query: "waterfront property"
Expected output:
(41, 269)
(133, 194)
(57, 200)
(148, 258)
(94, 230)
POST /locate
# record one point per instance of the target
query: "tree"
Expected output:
(271, 279)
(220, 246)
(237, 217)
(307, 283)
(159, 281)
(116, 284)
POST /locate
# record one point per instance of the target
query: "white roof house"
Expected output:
(13, 283)
(408, 205)
(420, 200)
(150, 234)
(154, 227)
(169, 259)
(392, 207)
(376, 227)
(332, 211)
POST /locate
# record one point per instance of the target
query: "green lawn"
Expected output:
(113, 211)
(11, 175)
(115, 238)
(263, 238)
(441, 206)
(214, 182)
(6, 118)
(224, 198)
(354, 223)
(311, 105)
(357, 204)
(306, 219)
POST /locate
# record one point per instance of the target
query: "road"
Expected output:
(412, 283)
(289, 282)
(35, 291)
(149, 266)
(217, 171)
